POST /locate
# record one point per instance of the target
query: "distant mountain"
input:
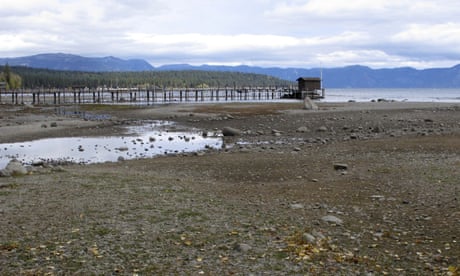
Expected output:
(345, 77)
(351, 76)
(69, 62)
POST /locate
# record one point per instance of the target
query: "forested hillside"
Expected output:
(34, 78)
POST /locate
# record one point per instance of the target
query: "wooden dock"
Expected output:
(54, 96)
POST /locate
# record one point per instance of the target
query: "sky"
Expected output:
(266, 33)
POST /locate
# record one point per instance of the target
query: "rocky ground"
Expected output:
(352, 188)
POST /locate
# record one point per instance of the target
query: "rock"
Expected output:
(322, 129)
(308, 238)
(377, 197)
(242, 247)
(14, 168)
(37, 163)
(340, 167)
(122, 149)
(296, 206)
(378, 129)
(303, 129)
(44, 126)
(120, 159)
(53, 124)
(229, 131)
(308, 104)
(318, 235)
(332, 219)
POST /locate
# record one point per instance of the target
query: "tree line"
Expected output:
(45, 78)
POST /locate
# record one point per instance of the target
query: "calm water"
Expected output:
(408, 95)
(143, 142)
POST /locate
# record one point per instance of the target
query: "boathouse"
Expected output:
(310, 87)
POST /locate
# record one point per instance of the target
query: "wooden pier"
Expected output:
(142, 96)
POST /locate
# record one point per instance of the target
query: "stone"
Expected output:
(14, 168)
(242, 247)
(297, 206)
(303, 129)
(378, 129)
(53, 124)
(340, 167)
(332, 219)
(322, 129)
(318, 235)
(308, 238)
(308, 104)
(229, 131)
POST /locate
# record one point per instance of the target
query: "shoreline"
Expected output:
(20, 123)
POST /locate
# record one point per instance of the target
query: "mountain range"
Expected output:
(67, 62)
(344, 77)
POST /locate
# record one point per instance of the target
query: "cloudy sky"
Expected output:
(281, 33)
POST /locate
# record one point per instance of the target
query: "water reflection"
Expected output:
(142, 142)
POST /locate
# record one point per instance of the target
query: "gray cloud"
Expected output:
(301, 33)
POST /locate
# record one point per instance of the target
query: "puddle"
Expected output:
(142, 142)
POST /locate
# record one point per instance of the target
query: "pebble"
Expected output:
(309, 238)
(242, 247)
(332, 219)
(297, 206)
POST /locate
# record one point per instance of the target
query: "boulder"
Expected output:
(229, 131)
(14, 168)
(308, 104)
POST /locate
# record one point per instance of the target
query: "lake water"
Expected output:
(408, 95)
(142, 142)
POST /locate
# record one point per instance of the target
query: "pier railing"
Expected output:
(142, 96)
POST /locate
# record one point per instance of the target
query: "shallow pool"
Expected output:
(144, 141)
